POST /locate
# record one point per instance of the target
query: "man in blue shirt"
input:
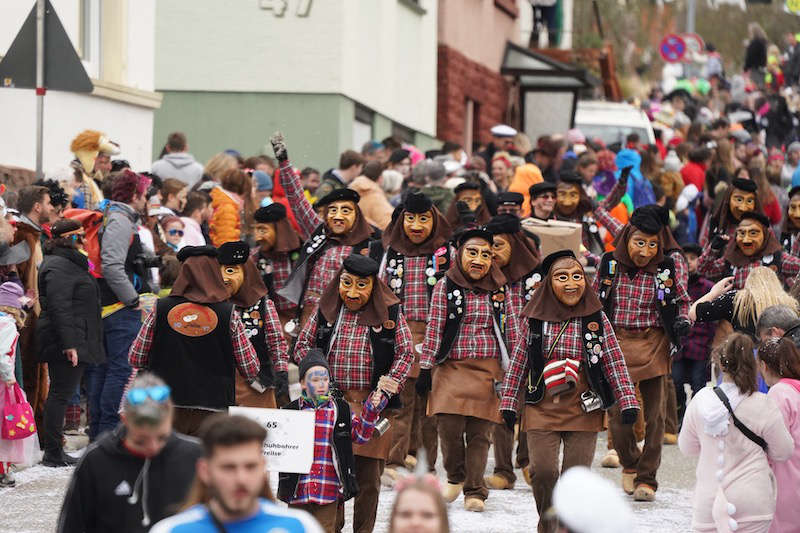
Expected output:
(231, 492)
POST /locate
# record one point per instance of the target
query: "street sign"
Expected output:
(63, 70)
(694, 43)
(672, 48)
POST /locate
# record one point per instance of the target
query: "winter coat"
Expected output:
(118, 236)
(29, 270)
(525, 177)
(179, 165)
(226, 222)
(786, 395)
(755, 56)
(114, 490)
(70, 317)
(373, 203)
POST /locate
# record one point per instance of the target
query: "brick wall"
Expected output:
(459, 79)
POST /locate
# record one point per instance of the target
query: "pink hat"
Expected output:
(575, 136)
(10, 295)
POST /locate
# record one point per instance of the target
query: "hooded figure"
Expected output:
(570, 369)
(753, 245)
(196, 342)
(416, 258)
(261, 326)
(642, 286)
(471, 332)
(86, 146)
(740, 197)
(337, 231)
(360, 328)
(468, 208)
(790, 229)
(574, 205)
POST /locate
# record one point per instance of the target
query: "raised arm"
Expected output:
(307, 218)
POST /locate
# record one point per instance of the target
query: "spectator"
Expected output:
(260, 162)
(135, 475)
(372, 202)
(694, 171)
(766, 196)
(262, 188)
(178, 163)
(227, 203)
(219, 165)
(351, 164)
(173, 195)
(775, 321)
(400, 160)
(419, 507)
(196, 213)
(526, 176)
(70, 321)
(501, 170)
(173, 232)
(755, 55)
(232, 485)
(392, 183)
(792, 162)
(309, 177)
(374, 151)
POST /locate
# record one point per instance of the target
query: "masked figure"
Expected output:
(417, 256)
(753, 245)
(468, 208)
(87, 146)
(570, 369)
(261, 326)
(790, 231)
(339, 230)
(642, 286)
(510, 203)
(739, 198)
(196, 342)
(360, 328)
(277, 246)
(471, 332)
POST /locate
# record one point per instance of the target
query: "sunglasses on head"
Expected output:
(178, 232)
(159, 394)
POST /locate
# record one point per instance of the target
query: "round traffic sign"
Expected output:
(694, 43)
(672, 48)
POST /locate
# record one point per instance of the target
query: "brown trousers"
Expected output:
(403, 425)
(503, 441)
(465, 463)
(368, 476)
(638, 427)
(324, 514)
(425, 432)
(544, 449)
(645, 462)
(188, 421)
(670, 406)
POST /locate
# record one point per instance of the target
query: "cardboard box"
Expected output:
(556, 235)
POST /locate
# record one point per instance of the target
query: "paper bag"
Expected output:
(556, 235)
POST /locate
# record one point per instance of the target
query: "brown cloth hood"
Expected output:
(546, 307)
(734, 255)
(490, 282)
(722, 212)
(395, 238)
(524, 257)
(200, 281)
(481, 217)
(666, 245)
(360, 231)
(252, 289)
(286, 239)
(374, 313)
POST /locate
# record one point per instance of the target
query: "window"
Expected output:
(362, 126)
(471, 122)
(402, 133)
(88, 45)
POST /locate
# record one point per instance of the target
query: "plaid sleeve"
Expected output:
(796, 247)
(243, 351)
(790, 265)
(403, 353)
(276, 342)
(305, 339)
(615, 369)
(512, 330)
(435, 328)
(306, 217)
(682, 282)
(711, 267)
(516, 372)
(596, 282)
(361, 427)
(702, 240)
(139, 354)
(605, 218)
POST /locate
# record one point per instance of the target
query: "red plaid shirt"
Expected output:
(715, 268)
(570, 345)
(321, 485)
(281, 268)
(476, 338)
(350, 355)
(307, 219)
(605, 218)
(273, 337)
(323, 272)
(516, 296)
(415, 288)
(243, 352)
(635, 298)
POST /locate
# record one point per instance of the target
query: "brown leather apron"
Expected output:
(379, 445)
(646, 352)
(564, 412)
(246, 396)
(466, 387)
(417, 337)
(305, 314)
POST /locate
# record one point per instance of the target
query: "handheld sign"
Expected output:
(290, 437)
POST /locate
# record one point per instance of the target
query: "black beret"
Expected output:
(476, 233)
(544, 268)
(398, 155)
(510, 198)
(570, 177)
(233, 253)
(271, 213)
(503, 224)
(467, 186)
(338, 195)
(758, 217)
(693, 248)
(360, 265)
(63, 226)
(195, 251)
(314, 357)
(541, 188)
(416, 202)
(650, 218)
(744, 185)
(794, 190)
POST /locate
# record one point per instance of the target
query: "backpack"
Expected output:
(642, 192)
(93, 223)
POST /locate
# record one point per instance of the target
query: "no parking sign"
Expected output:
(672, 48)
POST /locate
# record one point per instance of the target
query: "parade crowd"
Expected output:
(419, 302)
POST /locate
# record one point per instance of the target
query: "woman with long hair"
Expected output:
(765, 194)
(733, 429)
(419, 507)
(232, 206)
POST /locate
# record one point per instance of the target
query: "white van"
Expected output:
(612, 122)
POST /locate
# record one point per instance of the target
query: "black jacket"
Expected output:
(113, 490)
(70, 300)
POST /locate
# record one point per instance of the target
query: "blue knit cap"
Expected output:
(263, 181)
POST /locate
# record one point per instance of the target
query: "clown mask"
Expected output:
(264, 233)
(567, 197)
(568, 281)
(233, 277)
(340, 216)
(471, 197)
(476, 258)
(794, 211)
(642, 248)
(418, 226)
(501, 250)
(741, 202)
(355, 290)
(749, 237)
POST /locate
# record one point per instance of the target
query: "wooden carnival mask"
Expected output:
(568, 281)
(233, 277)
(794, 211)
(340, 217)
(501, 250)
(642, 248)
(354, 290)
(741, 202)
(264, 234)
(476, 258)
(749, 237)
(568, 195)
(418, 226)
(471, 197)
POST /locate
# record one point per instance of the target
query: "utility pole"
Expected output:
(691, 11)
(40, 89)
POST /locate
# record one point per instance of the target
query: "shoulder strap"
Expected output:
(738, 423)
